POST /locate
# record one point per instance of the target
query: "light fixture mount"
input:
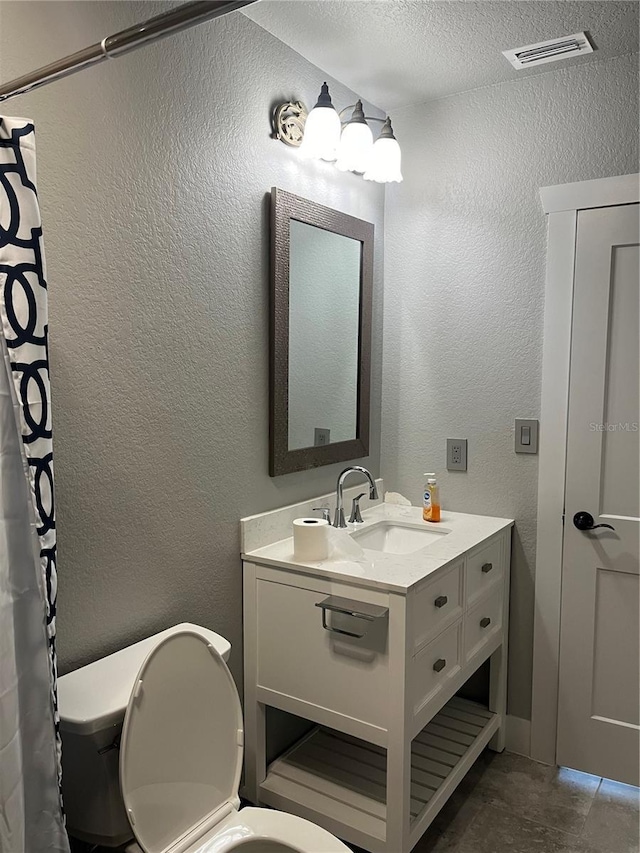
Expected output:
(324, 98)
(358, 116)
(288, 123)
(387, 130)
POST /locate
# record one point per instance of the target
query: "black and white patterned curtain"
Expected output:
(30, 805)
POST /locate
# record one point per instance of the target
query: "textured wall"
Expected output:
(464, 288)
(152, 174)
(153, 170)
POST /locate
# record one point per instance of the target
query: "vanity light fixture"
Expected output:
(356, 143)
(319, 136)
(384, 166)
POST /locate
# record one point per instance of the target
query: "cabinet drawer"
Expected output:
(434, 665)
(484, 568)
(482, 622)
(299, 658)
(436, 604)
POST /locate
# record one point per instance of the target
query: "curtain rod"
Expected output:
(177, 19)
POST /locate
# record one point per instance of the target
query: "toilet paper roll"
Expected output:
(310, 540)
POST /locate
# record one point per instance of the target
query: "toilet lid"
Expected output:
(181, 746)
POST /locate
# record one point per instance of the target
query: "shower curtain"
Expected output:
(31, 818)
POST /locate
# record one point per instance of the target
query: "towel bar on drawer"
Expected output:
(357, 609)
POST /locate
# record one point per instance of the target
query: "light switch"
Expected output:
(526, 435)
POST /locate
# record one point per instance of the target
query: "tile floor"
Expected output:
(510, 804)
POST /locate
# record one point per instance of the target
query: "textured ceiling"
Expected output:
(400, 52)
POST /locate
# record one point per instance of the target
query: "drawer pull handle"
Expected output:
(441, 600)
(485, 622)
(357, 609)
(486, 567)
(439, 664)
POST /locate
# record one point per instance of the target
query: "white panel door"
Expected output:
(599, 691)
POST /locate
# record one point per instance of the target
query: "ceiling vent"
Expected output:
(548, 51)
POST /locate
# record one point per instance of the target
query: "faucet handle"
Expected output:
(356, 517)
(326, 512)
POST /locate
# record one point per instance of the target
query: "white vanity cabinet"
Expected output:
(392, 740)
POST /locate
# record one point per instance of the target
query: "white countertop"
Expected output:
(391, 572)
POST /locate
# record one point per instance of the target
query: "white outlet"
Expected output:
(456, 454)
(321, 437)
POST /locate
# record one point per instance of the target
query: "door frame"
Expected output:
(561, 204)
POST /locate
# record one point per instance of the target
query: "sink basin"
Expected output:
(393, 537)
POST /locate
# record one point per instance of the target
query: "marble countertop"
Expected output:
(385, 571)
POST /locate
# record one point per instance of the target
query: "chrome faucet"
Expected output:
(339, 521)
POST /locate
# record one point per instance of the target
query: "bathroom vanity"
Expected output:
(373, 652)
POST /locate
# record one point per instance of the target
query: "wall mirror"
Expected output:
(320, 334)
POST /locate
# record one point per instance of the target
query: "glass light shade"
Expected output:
(321, 134)
(354, 151)
(385, 162)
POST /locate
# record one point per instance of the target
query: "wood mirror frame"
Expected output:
(285, 207)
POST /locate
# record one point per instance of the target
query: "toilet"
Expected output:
(177, 750)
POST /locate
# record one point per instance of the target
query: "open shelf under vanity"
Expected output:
(343, 778)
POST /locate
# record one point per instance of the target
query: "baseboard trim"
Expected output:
(518, 736)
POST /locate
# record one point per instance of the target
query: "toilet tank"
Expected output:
(92, 702)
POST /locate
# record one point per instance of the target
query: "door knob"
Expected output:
(584, 521)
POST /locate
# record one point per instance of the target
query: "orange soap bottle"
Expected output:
(431, 499)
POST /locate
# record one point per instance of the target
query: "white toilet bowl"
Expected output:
(181, 759)
(264, 831)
